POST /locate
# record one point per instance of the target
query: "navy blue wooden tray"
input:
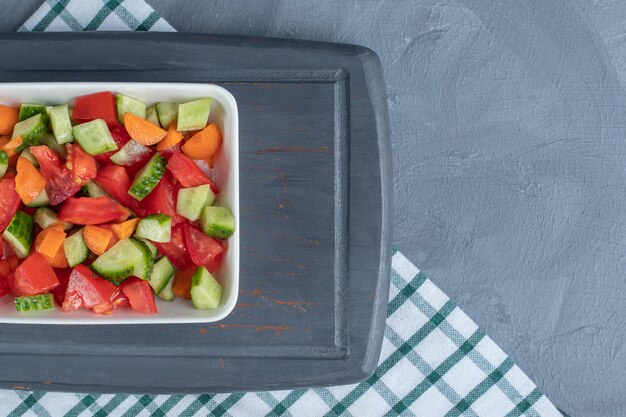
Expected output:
(315, 219)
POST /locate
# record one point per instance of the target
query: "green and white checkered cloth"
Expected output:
(435, 361)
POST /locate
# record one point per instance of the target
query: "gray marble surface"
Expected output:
(509, 124)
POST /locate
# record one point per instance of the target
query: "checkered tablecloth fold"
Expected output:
(435, 360)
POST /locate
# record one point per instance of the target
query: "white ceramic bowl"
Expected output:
(226, 175)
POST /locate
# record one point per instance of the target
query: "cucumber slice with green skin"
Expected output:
(150, 245)
(191, 201)
(166, 293)
(131, 105)
(4, 163)
(217, 222)
(143, 269)
(94, 137)
(130, 153)
(19, 233)
(152, 116)
(61, 124)
(94, 190)
(29, 110)
(206, 292)
(167, 112)
(148, 178)
(155, 227)
(50, 141)
(41, 200)
(193, 115)
(31, 130)
(45, 217)
(27, 154)
(34, 302)
(162, 274)
(75, 248)
(120, 261)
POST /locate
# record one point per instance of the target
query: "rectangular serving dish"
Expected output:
(315, 216)
(225, 173)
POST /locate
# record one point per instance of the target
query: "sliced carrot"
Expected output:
(58, 260)
(114, 238)
(203, 144)
(50, 240)
(8, 119)
(97, 238)
(142, 130)
(172, 138)
(181, 287)
(4, 140)
(11, 149)
(29, 183)
(124, 230)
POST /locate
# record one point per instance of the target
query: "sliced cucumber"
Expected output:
(94, 190)
(193, 115)
(130, 105)
(167, 112)
(34, 302)
(191, 201)
(50, 141)
(155, 227)
(206, 292)
(75, 248)
(61, 124)
(151, 116)
(143, 269)
(29, 110)
(129, 153)
(4, 163)
(41, 200)
(27, 154)
(148, 178)
(166, 293)
(217, 222)
(31, 130)
(162, 274)
(45, 217)
(150, 245)
(120, 261)
(19, 233)
(94, 137)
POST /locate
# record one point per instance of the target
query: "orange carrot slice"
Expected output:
(12, 145)
(49, 241)
(8, 119)
(97, 238)
(124, 230)
(203, 144)
(172, 138)
(181, 287)
(4, 140)
(142, 130)
(29, 183)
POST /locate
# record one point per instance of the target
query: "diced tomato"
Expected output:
(80, 163)
(4, 287)
(167, 153)
(187, 172)
(139, 295)
(176, 249)
(115, 182)
(60, 184)
(121, 138)
(120, 301)
(9, 200)
(63, 275)
(34, 276)
(86, 289)
(203, 250)
(96, 106)
(161, 200)
(87, 210)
